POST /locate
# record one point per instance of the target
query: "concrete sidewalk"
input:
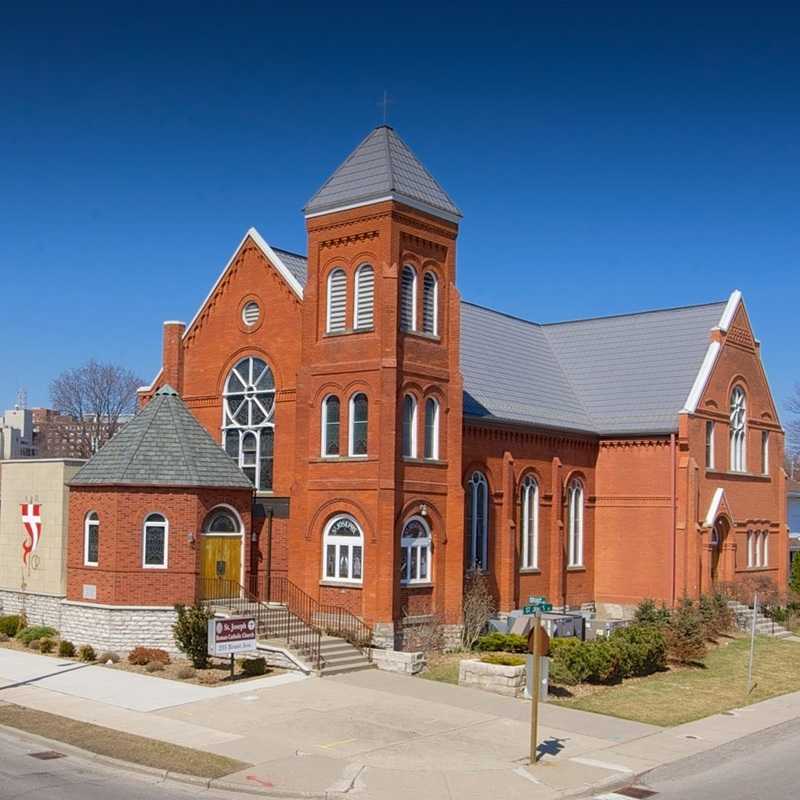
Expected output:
(379, 735)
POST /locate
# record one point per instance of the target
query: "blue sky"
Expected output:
(607, 157)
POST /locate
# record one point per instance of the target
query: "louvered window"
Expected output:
(250, 313)
(337, 300)
(365, 296)
(408, 299)
(430, 298)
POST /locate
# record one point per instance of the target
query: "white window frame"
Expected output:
(342, 542)
(711, 429)
(406, 270)
(738, 430)
(414, 545)
(764, 549)
(476, 482)
(410, 426)
(435, 303)
(164, 524)
(765, 452)
(324, 427)
(91, 519)
(433, 453)
(357, 310)
(335, 272)
(751, 559)
(529, 522)
(351, 424)
(575, 507)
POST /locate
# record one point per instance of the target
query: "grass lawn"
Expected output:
(686, 694)
(118, 744)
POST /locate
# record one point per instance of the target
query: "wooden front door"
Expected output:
(221, 565)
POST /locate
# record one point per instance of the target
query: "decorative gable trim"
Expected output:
(719, 502)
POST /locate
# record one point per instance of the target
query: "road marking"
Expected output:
(336, 744)
(590, 762)
(523, 773)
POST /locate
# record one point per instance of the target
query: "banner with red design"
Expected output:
(32, 522)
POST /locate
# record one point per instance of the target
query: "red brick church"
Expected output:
(386, 436)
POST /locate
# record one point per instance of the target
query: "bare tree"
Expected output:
(478, 605)
(95, 395)
(793, 434)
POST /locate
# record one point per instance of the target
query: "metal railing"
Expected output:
(272, 622)
(330, 619)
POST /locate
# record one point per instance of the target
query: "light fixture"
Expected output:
(423, 510)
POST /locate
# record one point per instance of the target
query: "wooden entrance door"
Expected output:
(221, 565)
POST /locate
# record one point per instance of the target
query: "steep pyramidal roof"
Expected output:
(383, 167)
(163, 445)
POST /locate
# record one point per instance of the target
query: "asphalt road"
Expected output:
(765, 766)
(70, 778)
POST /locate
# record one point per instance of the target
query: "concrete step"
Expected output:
(328, 672)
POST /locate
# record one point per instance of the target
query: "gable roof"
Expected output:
(382, 167)
(163, 445)
(618, 375)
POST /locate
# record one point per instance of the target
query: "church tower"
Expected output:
(377, 505)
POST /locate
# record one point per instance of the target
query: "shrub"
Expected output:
(86, 653)
(28, 634)
(478, 607)
(191, 633)
(11, 623)
(686, 634)
(648, 613)
(3, 637)
(47, 645)
(154, 666)
(108, 655)
(141, 656)
(66, 649)
(34, 644)
(642, 650)
(794, 576)
(507, 642)
(504, 659)
(254, 666)
(186, 673)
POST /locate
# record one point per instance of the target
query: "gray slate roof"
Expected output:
(619, 375)
(381, 166)
(163, 445)
(295, 263)
(627, 374)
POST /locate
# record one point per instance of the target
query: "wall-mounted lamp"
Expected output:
(191, 538)
(423, 510)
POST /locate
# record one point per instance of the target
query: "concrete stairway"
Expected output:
(764, 625)
(339, 657)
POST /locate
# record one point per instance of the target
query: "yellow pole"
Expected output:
(535, 690)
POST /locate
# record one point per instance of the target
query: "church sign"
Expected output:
(227, 637)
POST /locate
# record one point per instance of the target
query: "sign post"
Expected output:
(232, 635)
(539, 646)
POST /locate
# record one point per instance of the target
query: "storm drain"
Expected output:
(47, 755)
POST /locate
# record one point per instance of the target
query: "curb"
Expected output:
(165, 775)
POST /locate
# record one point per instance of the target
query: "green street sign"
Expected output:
(533, 609)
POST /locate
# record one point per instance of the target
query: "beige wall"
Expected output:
(39, 481)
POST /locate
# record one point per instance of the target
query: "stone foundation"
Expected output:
(508, 681)
(383, 635)
(40, 609)
(398, 661)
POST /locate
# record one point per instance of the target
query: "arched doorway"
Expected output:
(221, 554)
(719, 534)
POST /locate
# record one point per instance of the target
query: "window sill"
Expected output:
(331, 584)
(416, 585)
(431, 337)
(580, 568)
(531, 570)
(347, 332)
(751, 476)
(339, 459)
(92, 565)
(427, 462)
(155, 566)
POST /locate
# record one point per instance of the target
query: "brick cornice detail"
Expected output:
(350, 239)
(628, 443)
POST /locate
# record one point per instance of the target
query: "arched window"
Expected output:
(408, 299)
(343, 550)
(575, 521)
(738, 424)
(337, 301)
(330, 426)
(478, 521)
(415, 552)
(430, 304)
(409, 426)
(365, 297)
(764, 548)
(359, 424)
(431, 428)
(529, 522)
(222, 520)
(248, 430)
(91, 540)
(155, 542)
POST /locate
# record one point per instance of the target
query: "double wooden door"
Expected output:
(221, 565)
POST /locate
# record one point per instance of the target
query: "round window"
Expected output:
(251, 313)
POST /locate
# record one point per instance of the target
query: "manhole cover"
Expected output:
(636, 791)
(46, 755)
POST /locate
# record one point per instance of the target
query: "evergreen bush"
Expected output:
(686, 641)
(648, 613)
(86, 653)
(27, 634)
(10, 624)
(503, 659)
(47, 645)
(254, 666)
(66, 649)
(507, 642)
(191, 633)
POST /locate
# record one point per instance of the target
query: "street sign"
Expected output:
(232, 635)
(533, 609)
(536, 599)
